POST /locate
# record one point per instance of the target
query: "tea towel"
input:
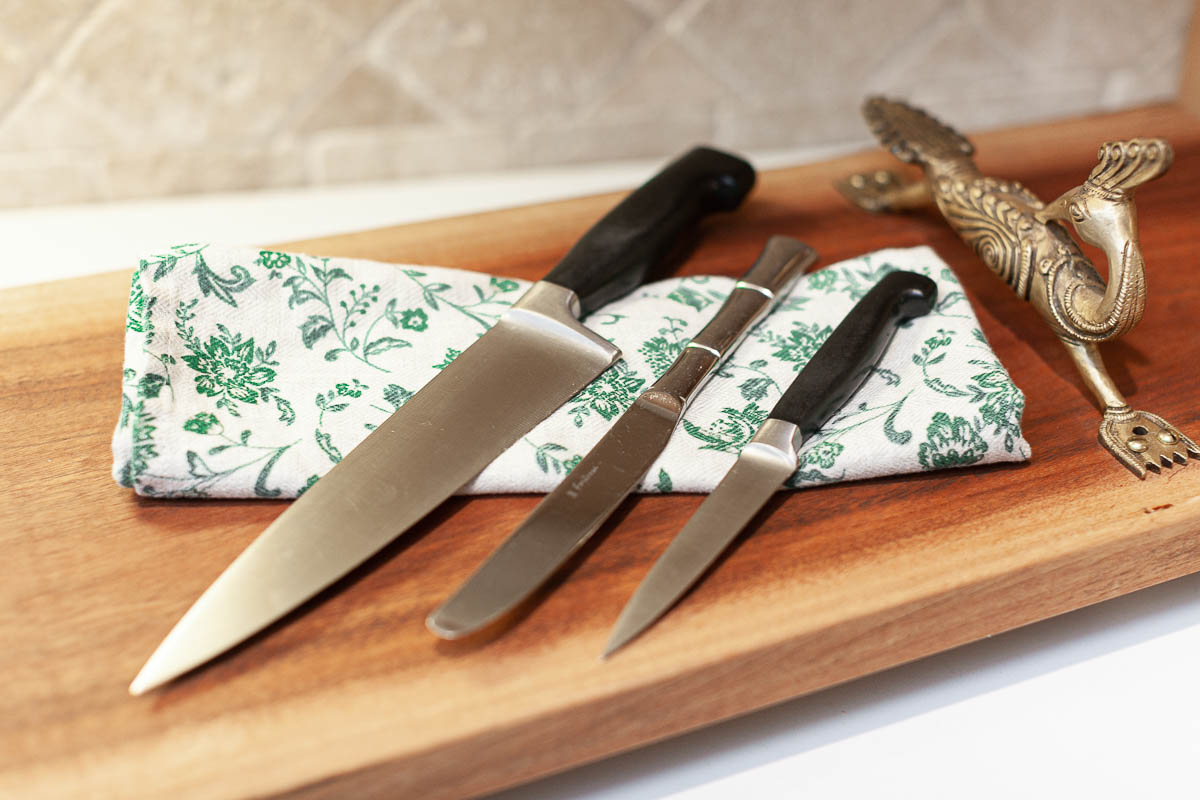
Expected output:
(250, 373)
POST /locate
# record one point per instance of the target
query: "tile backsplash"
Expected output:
(114, 99)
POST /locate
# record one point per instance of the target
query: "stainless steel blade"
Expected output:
(764, 464)
(534, 359)
(564, 520)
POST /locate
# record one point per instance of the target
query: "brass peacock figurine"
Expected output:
(1022, 240)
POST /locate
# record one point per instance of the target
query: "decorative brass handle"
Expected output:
(1023, 241)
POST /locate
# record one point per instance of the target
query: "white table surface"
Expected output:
(1100, 703)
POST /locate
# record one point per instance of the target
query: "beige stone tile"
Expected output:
(205, 70)
(961, 74)
(512, 59)
(46, 179)
(365, 97)
(616, 136)
(811, 124)
(386, 153)
(655, 8)
(1149, 82)
(52, 118)
(665, 75)
(990, 107)
(362, 15)
(14, 74)
(135, 98)
(1075, 34)
(33, 27)
(169, 172)
(779, 52)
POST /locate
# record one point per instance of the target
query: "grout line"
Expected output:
(682, 15)
(51, 58)
(676, 27)
(605, 89)
(338, 68)
(917, 45)
(283, 128)
(403, 75)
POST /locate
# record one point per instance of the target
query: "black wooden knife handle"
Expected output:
(615, 255)
(844, 361)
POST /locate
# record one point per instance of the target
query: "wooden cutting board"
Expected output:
(352, 697)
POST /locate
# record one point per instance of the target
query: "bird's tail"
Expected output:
(915, 137)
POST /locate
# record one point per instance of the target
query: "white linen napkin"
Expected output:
(250, 373)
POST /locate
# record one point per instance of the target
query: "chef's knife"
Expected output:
(570, 514)
(826, 383)
(532, 361)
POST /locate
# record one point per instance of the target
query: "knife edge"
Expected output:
(578, 506)
(769, 459)
(394, 477)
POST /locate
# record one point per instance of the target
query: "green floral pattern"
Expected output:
(608, 396)
(250, 373)
(951, 443)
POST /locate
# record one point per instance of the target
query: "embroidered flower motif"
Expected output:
(226, 369)
(348, 390)
(951, 443)
(661, 351)
(451, 354)
(801, 344)
(414, 319)
(201, 423)
(823, 279)
(690, 297)
(730, 432)
(396, 395)
(1002, 403)
(823, 454)
(609, 395)
(273, 261)
(136, 317)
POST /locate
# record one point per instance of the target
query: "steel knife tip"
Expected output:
(154, 673)
(615, 644)
(445, 628)
(142, 684)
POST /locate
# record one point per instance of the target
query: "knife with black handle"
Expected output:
(536, 357)
(641, 231)
(837, 370)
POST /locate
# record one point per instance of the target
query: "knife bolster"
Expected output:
(550, 310)
(682, 380)
(781, 437)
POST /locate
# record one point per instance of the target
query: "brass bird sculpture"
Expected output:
(1022, 240)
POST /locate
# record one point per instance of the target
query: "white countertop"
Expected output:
(1100, 703)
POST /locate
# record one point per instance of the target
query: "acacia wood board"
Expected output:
(351, 696)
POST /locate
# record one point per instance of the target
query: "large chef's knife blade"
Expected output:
(570, 514)
(826, 383)
(531, 362)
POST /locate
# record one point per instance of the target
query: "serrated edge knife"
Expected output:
(827, 382)
(578, 506)
(531, 362)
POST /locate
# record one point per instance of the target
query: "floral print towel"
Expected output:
(250, 373)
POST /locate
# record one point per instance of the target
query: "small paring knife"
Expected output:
(569, 515)
(826, 383)
(531, 362)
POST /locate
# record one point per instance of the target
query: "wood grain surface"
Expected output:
(352, 697)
